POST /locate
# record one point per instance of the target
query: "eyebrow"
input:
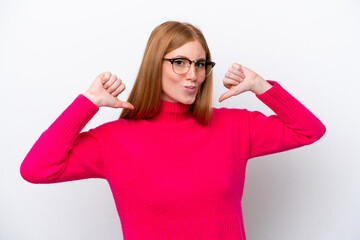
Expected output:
(181, 56)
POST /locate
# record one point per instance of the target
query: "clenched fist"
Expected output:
(239, 79)
(104, 91)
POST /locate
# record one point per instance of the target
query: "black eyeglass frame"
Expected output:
(207, 62)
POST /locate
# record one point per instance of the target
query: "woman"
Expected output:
(175, 165)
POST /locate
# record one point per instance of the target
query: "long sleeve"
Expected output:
(293, 125)
(62, 153)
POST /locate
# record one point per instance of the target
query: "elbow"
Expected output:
(317, 132)
(322, 131)
(33, 177)
(31, 174)
(28, 174)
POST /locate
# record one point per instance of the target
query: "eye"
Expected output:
(200, 64)
(179, 62)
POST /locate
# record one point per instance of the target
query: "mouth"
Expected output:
(190, 88)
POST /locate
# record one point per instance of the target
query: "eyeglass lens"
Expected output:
(182, 66)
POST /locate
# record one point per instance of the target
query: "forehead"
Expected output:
(192, 50)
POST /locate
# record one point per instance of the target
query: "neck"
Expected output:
(172, 112)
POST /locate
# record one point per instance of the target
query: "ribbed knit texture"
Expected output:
(171, 177)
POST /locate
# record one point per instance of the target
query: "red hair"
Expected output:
(146, 92)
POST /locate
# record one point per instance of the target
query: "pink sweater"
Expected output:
(171, 177)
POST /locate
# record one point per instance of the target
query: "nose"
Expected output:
(191, 74)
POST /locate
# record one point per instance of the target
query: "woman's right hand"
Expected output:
(104, 91)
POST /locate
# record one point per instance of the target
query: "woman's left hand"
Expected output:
(239, 79)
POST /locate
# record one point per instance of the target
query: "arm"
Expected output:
(293, 125)
(62, 153)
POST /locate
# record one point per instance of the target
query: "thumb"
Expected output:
(226, 95)
(121, 104)
(234, 90)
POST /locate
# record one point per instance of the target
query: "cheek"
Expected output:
(169, 78)
(200, 81)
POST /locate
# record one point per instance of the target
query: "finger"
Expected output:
(121, 104)
(114, 86)
(105, 76)
(234, 90)
(236, 72)
(233, 76)
(228, 86)
(118, 90)
(231, 82)
(237, 67)
(110, 82)
(226, 95)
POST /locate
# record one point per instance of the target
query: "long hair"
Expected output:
(146, 93)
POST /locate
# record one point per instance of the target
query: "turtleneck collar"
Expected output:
(171, 112)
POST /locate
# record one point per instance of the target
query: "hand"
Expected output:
(239, 79)
(104, 91)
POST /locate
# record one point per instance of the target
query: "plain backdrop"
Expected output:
(51, 51)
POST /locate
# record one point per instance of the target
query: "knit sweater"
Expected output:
(171, 177)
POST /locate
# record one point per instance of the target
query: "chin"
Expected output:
(187, 101)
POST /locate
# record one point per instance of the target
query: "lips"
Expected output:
(190, 89)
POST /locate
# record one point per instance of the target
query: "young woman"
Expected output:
(175, 165)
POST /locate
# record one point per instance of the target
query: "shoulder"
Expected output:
(232, 121)
(228, 112)
(114, 127)
(229, 115)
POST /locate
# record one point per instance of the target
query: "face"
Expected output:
(175, 87)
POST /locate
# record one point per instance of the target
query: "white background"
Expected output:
(51, 51)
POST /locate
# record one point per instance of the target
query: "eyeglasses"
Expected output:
(182, 66)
